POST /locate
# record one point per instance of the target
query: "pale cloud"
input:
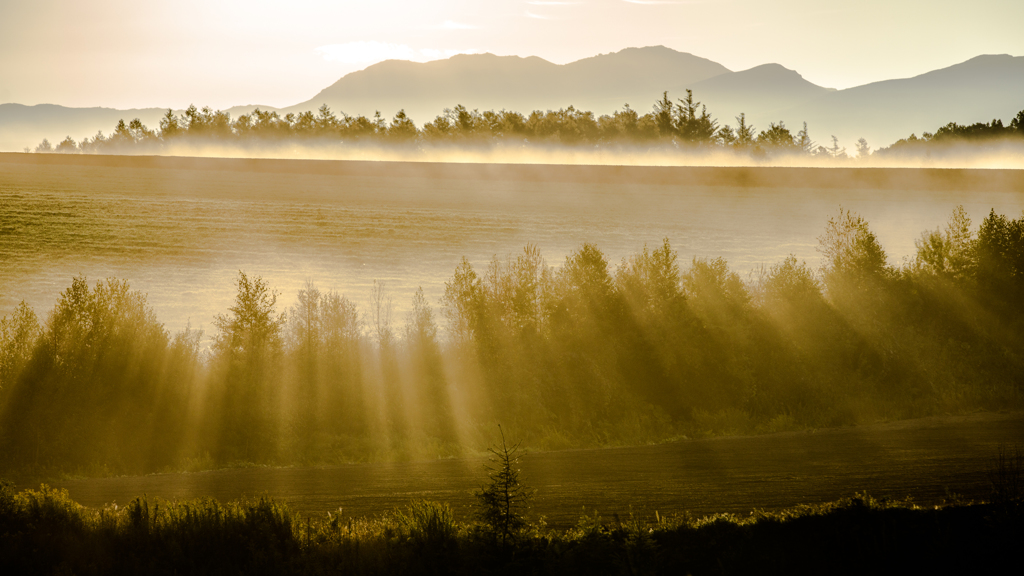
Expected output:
(541, 3)
(537, 16)
(655, 2)
(370, 52)
(452, 25)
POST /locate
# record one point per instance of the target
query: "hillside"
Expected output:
(977, 90)
(25, 126)
(760, 92)
(602, 83)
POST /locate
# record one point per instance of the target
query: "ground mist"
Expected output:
(583, 353)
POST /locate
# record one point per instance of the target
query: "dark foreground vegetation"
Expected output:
(576, 355)
(45, 532)
(683, 126)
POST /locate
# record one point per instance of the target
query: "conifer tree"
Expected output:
(504, 501)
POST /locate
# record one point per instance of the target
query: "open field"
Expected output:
(179, 228)
(921, 458)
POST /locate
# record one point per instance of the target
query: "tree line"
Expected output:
(684, 123)
(681, 124)
(585, 353)
(954, 134)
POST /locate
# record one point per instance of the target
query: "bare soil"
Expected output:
(927, 459)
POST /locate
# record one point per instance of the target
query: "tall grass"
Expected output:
(45, 532)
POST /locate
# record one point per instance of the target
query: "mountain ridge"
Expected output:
(980, 89)
(977, 89)
(523, 84)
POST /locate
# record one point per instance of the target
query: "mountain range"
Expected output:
(978, 90)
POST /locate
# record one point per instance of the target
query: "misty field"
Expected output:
(222, 313)
(180, 229)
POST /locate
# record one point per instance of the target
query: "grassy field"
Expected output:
(926, 458)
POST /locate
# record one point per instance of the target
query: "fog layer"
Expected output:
(586, 353)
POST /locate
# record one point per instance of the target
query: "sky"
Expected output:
(221, 53)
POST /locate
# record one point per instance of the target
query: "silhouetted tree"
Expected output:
(803, 140)
(777, 138)
(170, 126)
(697, 129)
(790, 285)
(248, 346)
(504, 501)
(1000, 262)
(402, 129)
(326, 121)
(67, 146)
(424, 354)
(305, 339)
(89, 391)
(663, 116)
(853, 258)
(835, 151)
(1017, 124)
(951, 253)
(342, 396)
(463, 302)
(19, 334)
(863, 150)
(745, 134)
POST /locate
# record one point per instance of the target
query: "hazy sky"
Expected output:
(130, 53)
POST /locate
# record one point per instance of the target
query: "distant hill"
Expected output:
(760, 92)
(25, 126)
(977, 90)
(604, 83)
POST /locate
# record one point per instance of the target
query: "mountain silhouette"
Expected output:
(977, 90)
(25, 126)
(759, 92)
(601, 83)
